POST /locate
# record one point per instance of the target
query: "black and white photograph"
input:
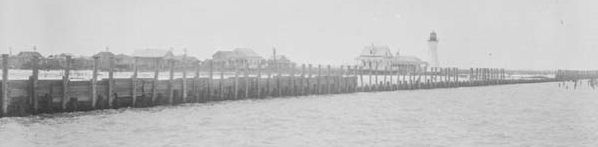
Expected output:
(304, 73)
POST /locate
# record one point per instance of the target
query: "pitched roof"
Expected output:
(29, 54)
(408, 60)
(224, 55)
(245, 52)
(101, 54)
(380, 51)
(152, 53)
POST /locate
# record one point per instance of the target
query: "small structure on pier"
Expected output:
(380, 57)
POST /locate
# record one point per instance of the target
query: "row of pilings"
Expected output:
(35, 96)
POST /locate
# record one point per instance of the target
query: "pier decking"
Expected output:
(34, 96)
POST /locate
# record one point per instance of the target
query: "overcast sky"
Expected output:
(516, 34)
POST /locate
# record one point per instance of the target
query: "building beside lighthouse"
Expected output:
(377, 57)
(433, 50)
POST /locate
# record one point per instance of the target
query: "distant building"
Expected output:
(23, 59)
(282, 62)
(239, 58)
(104, 59)
(147, 58)
(380, 58)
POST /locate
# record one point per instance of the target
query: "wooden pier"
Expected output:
(34, 96)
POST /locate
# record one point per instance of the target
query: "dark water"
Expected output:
(510, 115)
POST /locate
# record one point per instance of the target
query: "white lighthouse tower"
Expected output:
(433, 50)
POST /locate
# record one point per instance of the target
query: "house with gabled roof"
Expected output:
(380, 57)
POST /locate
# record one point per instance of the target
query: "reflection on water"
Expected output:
(509, 115)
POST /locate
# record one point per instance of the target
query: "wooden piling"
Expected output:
(293, 81)
(171, 82)
(302, 81)
(236, 84)
(278, 84)
(361, 88)
(376, 72)
(318, 83)
(184, 90)
(390, 81)
(94, 83)
(210, 79)
(5, 98)
(110, 92)
(268, 86)
(458, 76)
(34, 84)
(221, 85)
(398, 82)
(246, 80)
(370, 74)
(134, 83)
(258, 79)
(309, 78)
(155, 81)
(196, 90)
(65, 83)
(339, 87)
(329, 80)
(385, 83)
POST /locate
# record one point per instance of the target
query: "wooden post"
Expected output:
(184, 79)
(5, 98)
(210, 79)
(34, 84)
(457, 77)
(94, 83)
(302, 81)
(171, 82)
(195, 84)
(65, 83)
(349, 74)
(384, 84)
(398, 84)
(258, 78)
(246, 80)
(328, 80)
(390, 81)
(376, 86)
(236, 84)
(419, 77)
(361, 78)
(278, 85)
(470, 75)
(318, 86)
(403, 81)
(221, 85)
(371, 73)
(134, 83)
(339, 88)
(268, 91)
(155, 82)
(309, 88)
(110, 81)
(293, 81)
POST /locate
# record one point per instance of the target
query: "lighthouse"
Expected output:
(433, 50)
